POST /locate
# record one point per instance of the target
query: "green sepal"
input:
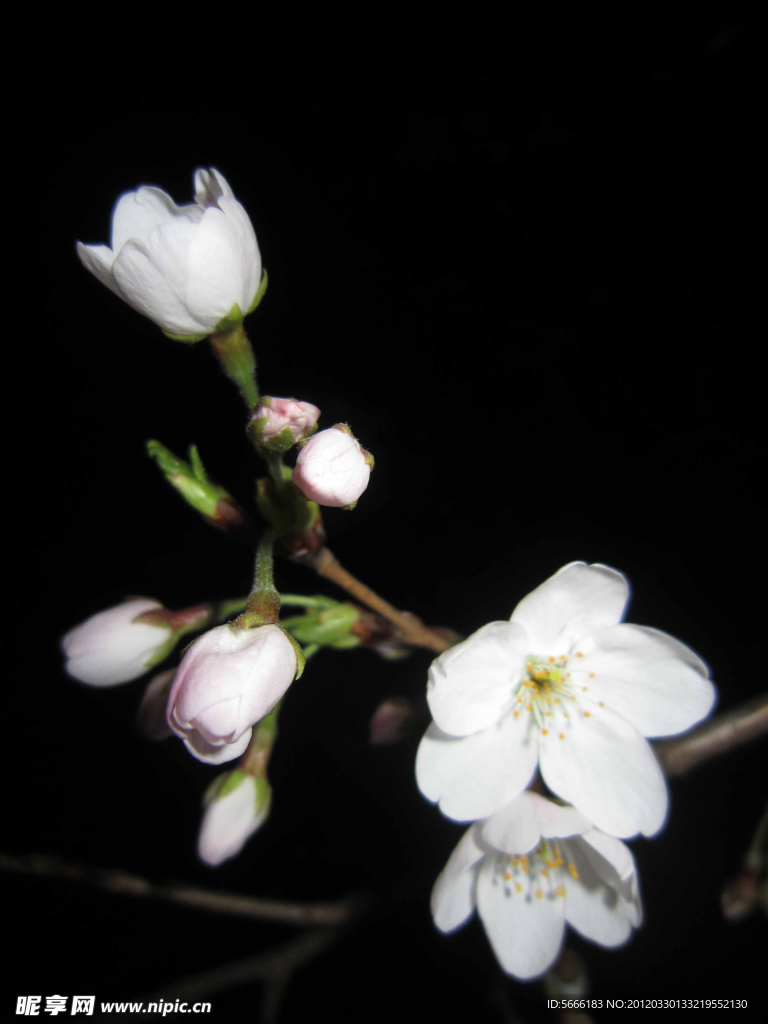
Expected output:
(223, 784)
(189, 479)
(330, 626)
(185, 337)
(230, 321)
(262, 799)
(300, 659)
(259, 293)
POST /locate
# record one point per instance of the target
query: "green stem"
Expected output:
(238, 362)
(305, 601)
(264, 601)
(309, 650)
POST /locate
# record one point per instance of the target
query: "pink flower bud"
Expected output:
(150, 718)
(273, 416)
(332, 469)
(236, 808)
(111, 648)
(228, 680)
(394, 718)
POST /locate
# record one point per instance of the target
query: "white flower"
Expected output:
(111, 647)
(236, 806)
(228, 680)
(564, 687)
(332, 469)
(531, 868)
(185, 267)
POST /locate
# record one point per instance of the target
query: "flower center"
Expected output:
(551, 690)
(538, 875)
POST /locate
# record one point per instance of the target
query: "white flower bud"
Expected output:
(111, 647)
(237, 805)
(184, 267)
(228, 680)
(332, 468)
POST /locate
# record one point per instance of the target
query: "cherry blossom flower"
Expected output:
(283, 420)
(112, 647)
(530, 869)
(236, 806)
(228, 680)
(332, 469)
(187, 268)
(564, 686)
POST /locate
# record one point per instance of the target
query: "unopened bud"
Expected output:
(332, 468)
(236, 806)
(191, 480)
(394, 719)
(150, 719)
(115, 646)
(278, 423)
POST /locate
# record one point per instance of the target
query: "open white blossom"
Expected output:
(530, 869)
(564, 686)
(184, 267)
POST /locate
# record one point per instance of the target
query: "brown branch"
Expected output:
(274, 967)
(303, 914)
(325, 563)
(721, 734)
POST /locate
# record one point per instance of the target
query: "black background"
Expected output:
(518, 258)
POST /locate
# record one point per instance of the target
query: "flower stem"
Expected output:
(305, 601)
(256, 757)
(326, 564)
(263, 605)
(238, 362)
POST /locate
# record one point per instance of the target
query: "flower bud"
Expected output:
(112, 647)
(150, 718)
(394, 719)
(236, 805)
(191, 269)
(228, 680)
(278, 423)
(332, 468)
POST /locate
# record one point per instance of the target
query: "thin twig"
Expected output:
(721, 734)
(274, 967)
(326, 564)
(303, 914)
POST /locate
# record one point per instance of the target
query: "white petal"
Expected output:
(145, 288)
(251, 256)
(470, 684)
(513, 829)
(593, 908)
(217, 271)
(168, 248)
(137, 214)
(453, 897)
(526, 933)
(98, 259)
(210, 186)
(211, 754)
(615, 853)
(517, 827)
(608, 772)
(571, 604)
(473, 776)
(658, 684)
